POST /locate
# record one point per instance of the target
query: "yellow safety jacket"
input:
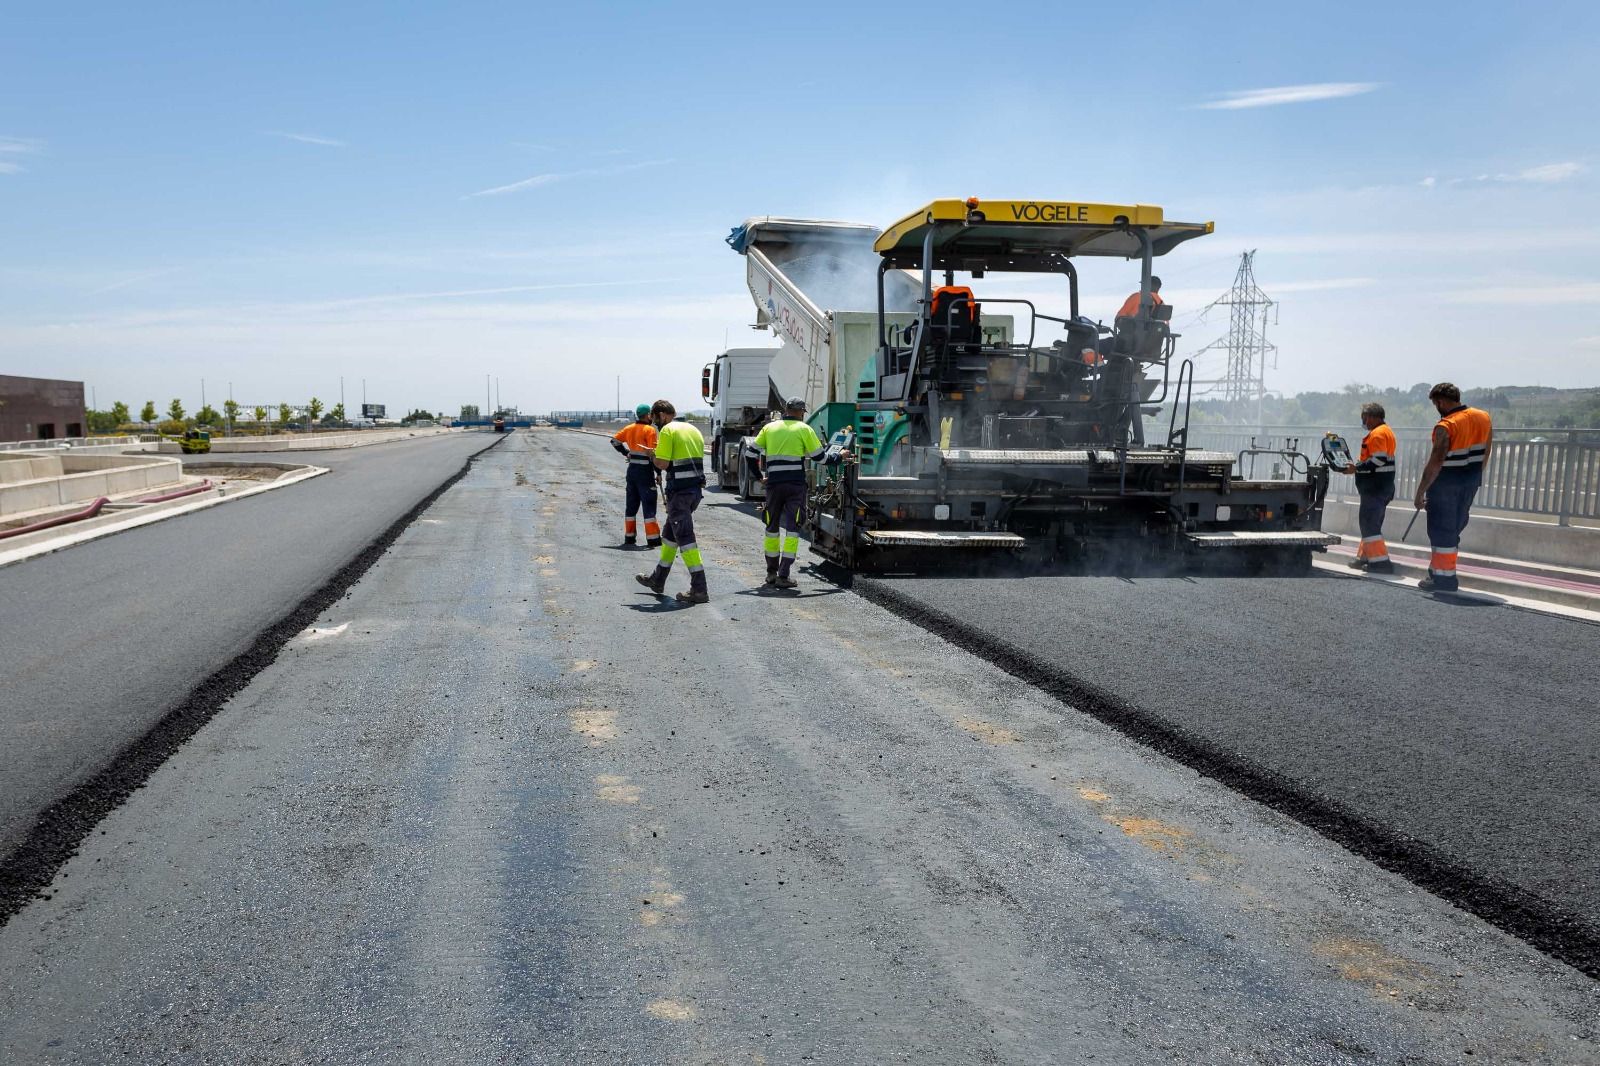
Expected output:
(786, 444)
(684, 450)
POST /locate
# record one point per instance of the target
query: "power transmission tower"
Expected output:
(1246, 340)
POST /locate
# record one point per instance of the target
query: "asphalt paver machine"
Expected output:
(1071, 448)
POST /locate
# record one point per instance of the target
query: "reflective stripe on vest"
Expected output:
(1468, 430)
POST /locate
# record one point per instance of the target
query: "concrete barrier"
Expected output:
(309, 442)
(1487, 534)
(62, 478)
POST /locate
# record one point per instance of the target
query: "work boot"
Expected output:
(697, 589)
(1357, 563)
(1427, 584)
(772, 571)
(784, 581)
(655, 581)
(629, 542)
(1384, 567)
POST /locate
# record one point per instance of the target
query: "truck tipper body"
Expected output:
(815, 286)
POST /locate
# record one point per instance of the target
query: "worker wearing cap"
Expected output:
(681, 455)
(783, 446)
(636, 442)
(1461, 444)
(1374, 473)
(1130, 306)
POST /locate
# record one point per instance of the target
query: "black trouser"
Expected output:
(785, 509)
(678, 537)
(641, 483)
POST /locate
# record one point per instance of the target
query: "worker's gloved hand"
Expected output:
(1349, 468)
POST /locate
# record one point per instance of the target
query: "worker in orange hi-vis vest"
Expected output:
(637, 443)
(1461, 444)
(1374, 473)
(1130, 306)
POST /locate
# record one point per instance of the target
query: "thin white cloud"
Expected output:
(1320, 285)
(1289, 94)
(1545, 174)
(306, 138)
(136, 279)
(1592, 343)
(1577, 292)
(541, 180)
(12, 147)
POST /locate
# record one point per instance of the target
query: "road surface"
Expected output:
(500, 804)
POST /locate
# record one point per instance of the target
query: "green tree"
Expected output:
(147, 413)
(313, 410)
(261, 415)
(119, 412)
(469, 412)
(102, 422)
(175, 410)
(336, 413)
(230, 408)
(207, 416)
(285, 414)
(418, 415)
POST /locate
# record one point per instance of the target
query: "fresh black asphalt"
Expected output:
(104, 639)
(1453, 741)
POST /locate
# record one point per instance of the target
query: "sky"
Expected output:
(272, 197)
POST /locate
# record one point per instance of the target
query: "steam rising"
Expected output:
(840, 277)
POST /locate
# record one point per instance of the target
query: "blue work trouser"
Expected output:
(1374, 507)
(1449, 507)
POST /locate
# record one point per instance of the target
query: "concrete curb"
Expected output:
(106, 525)
(1482, 590)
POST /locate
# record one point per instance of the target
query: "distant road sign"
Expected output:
(372, 410)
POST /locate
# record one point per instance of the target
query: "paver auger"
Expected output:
(968, 438)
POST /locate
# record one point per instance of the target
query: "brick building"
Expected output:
(40, 408)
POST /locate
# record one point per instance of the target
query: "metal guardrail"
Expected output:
(1552, 472)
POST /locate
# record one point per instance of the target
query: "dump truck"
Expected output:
(737, 386)
(1040, 440)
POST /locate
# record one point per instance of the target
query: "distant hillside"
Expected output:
(1513, 406)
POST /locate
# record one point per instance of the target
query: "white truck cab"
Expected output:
(738, 387)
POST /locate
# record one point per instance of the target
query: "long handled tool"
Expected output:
(1409, 524)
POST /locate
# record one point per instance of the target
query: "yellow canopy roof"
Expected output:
(1026, 231)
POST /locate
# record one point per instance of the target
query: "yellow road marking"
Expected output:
(671, 1010)
(1093, 795)
(1157, 836)
(614, 788)
(1368, 962)
(989, 734)
(598, 724)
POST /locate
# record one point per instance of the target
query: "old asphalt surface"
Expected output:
(498, 804)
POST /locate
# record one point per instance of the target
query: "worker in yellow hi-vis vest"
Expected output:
(783, 446)
(681, 455)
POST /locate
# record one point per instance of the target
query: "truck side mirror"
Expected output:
(705, 382)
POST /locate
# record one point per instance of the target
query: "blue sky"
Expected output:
(419, 195)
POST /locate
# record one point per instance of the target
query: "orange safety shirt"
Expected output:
(1469, 430)
(1376, 467)
(637, 441)
(1130, 306)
